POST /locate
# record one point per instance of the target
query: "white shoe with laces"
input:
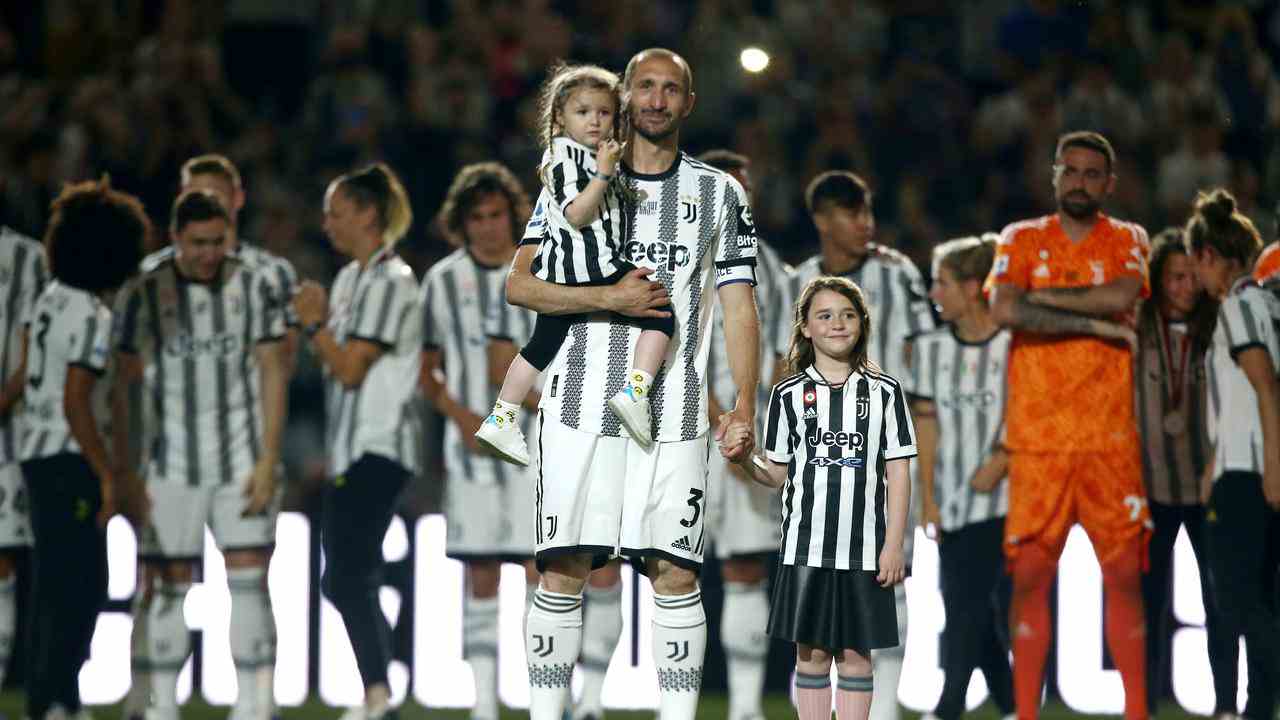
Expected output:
(501, 435)
(631, 405)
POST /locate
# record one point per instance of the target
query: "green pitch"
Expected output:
(712, 707)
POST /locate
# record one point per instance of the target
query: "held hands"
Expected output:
(893, 565)
(311, 303)
(607, 155)
(736, 435)
(261, 488)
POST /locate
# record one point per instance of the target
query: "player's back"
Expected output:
(22, 277)
(1069, 393)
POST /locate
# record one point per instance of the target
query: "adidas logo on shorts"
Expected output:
(682, 544)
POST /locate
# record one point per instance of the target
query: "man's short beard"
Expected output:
(651, 135)
(1079, 211)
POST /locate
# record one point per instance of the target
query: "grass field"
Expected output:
(711, 707)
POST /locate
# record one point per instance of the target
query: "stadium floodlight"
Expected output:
(754, 59)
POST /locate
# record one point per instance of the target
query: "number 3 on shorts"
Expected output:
(695, 495)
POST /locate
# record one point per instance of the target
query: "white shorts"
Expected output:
(15, 522)
(743, 519)
(487, 521)
(603, 496)
(179, 513)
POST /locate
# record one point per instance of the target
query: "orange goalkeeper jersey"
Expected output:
(1069, 393)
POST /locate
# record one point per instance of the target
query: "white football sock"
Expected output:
(679, 644)
(552, 642)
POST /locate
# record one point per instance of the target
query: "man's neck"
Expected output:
(839, 259)
(647, 157)
(975, 325)
(1077, 230)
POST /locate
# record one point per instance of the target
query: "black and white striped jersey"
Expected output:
(23, 274)
(569, 255)
(896, 298)
(966, 383)
(277, 272)
(771, 304)
(1248, 318)
(461, 300)
(197, 342)
(691, 224)
(377, 303)
(835, 441)
(68, 327)
(504, 321)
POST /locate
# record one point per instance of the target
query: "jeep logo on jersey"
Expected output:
(186, 346)
(658, 254)
(828, 438)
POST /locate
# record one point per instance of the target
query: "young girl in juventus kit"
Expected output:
(838, 440)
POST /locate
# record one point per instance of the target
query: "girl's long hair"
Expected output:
(1203, 317)
(801, 354)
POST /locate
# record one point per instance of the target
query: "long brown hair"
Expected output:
(1201, 319)
(801, 355)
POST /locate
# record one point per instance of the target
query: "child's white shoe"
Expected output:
(501, 435)
(631, 405)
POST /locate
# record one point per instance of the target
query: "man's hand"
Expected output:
(261, 488)
(637, 296)
(930, 513)
(311, 303)
(134, 502)
(468, 423)
(893, 566)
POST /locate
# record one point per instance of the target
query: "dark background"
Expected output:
(950, 109)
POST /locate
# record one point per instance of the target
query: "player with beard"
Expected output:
(1064, 283)
(690, 230)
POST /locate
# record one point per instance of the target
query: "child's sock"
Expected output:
(640, 381)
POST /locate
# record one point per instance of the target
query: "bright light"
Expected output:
(754, 59)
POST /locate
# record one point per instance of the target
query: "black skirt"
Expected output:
(832, 609)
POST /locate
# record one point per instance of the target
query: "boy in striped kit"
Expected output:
(958, 382)
(201, 332)
(838, 441)
(486, 500)
(23, 258)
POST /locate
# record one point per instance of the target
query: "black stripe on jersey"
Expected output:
(548, 255)
(804, 529)
(160, 445)
(568, 274)
(453, 300)
(957, 459)
(616, 374)
(831, 530)
(575, 371)
(218, 309)
(186, 320)
(384, 313)
(669, 233)
(250, 312)
(882, 483)
(861, 424)
(591, 250)
(885, 321)
(557, 184)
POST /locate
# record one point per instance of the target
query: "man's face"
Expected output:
(658, 99)
(1082, 182)
(847, 229)
(201, 247)
(228, 195)
(488, 224)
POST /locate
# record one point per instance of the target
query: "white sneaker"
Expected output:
(501, 435)
(631, 405)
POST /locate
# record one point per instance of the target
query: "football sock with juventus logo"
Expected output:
(679, 643)
(553, 638)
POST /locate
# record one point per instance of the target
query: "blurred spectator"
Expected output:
(1198, 164)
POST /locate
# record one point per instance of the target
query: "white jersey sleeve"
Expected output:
(899, 432)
